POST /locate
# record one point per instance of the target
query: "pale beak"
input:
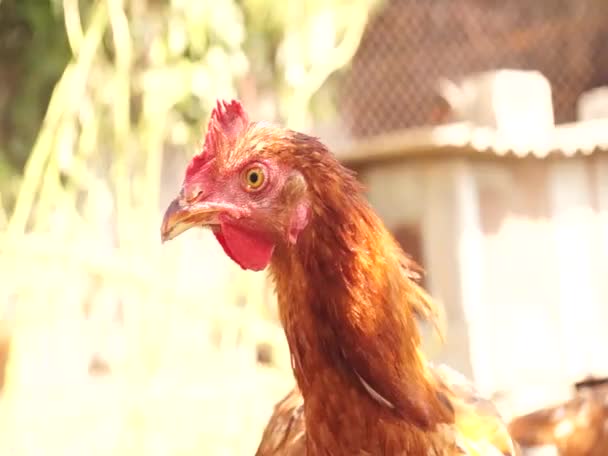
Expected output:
(181, 216)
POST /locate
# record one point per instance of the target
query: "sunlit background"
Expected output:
(479, 127)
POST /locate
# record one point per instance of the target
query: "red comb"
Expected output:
(227, 121)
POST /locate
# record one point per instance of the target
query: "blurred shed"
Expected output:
(513, 232)
(508, 214)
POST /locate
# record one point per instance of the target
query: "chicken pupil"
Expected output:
(253, 178)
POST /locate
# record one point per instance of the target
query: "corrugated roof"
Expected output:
(580, 138)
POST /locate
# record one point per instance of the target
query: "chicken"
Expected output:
(285, 433)
(579, 427)
(347, 298)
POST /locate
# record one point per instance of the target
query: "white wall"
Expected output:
(517, 252)
(434, 193)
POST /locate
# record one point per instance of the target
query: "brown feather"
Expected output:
(578, 427)
(285, 433)
(481, 429)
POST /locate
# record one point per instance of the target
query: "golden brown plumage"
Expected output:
(578, 427)
(285, 433)
(482, 430)
(347, 307)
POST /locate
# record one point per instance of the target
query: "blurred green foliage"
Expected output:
(33, 53)
(139, 74)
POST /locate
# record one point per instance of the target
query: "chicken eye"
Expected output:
(254, 178)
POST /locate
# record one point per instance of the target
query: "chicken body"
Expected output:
(578, 427)
(478, 428)
(274, 197)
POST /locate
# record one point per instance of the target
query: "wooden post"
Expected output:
(453, 254)
(573, 222)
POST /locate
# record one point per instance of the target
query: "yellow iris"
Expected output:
(254, 178)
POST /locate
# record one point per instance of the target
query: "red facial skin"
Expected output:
(247, 221)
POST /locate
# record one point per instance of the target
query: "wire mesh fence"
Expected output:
(410, 44)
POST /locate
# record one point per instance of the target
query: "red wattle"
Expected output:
(245, 247)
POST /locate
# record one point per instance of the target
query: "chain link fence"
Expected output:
(410, 44)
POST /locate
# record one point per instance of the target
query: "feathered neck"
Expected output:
(348, 310)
